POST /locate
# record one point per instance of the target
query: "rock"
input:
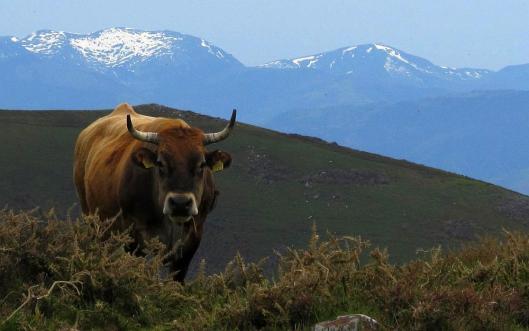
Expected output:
(346, 177)
(355, 322)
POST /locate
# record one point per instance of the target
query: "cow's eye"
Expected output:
(161, 167)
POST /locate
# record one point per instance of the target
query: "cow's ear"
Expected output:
(218, 160)
(144, 158)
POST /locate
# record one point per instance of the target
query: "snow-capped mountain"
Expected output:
(55, 69)
(377, 59)
(123, 47)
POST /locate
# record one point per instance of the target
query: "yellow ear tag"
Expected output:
(217, 166)
(147, 163)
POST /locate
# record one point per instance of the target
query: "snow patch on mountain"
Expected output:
(212, 49)
(391, 52)
(306, 61)
(349, 50)
(44, 42)
(114, 47)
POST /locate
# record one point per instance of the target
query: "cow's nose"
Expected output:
(180, 204)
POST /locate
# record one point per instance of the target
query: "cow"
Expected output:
(153, 175)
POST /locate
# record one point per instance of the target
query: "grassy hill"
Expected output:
(482, 134)
(276, 188)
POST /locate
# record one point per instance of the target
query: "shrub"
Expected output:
(73, 274)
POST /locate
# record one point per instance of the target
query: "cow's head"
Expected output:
(182, 168)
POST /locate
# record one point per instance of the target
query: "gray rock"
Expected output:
(355, 322)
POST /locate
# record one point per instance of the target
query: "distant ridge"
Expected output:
(57, 69)
(349, 60)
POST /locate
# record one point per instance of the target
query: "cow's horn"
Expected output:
(210, 138)
(149, 137)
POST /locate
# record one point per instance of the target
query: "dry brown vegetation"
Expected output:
(59, 274)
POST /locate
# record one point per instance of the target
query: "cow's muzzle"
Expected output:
(180, 207)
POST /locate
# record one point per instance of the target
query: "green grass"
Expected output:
(264, 202)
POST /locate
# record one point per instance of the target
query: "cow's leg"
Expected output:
(81, 193)
(184, 255)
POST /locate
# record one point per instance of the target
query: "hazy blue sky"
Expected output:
(479, 33)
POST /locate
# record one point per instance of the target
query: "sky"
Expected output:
(457, 33)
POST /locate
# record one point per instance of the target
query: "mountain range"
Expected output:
(65, 70)
(372, 96)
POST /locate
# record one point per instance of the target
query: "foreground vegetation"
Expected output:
(61, 274)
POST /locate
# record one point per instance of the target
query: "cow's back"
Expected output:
(102, 152)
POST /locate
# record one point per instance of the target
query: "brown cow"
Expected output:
(155, 174)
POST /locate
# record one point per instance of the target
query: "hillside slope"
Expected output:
(276, 188)
(482, 134)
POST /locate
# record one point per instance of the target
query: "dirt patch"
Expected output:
(459, 229)
(515, 207)
(260, 165)
(346, 177)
